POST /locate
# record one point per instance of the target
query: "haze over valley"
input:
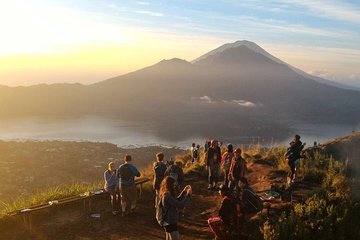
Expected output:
(237, 92)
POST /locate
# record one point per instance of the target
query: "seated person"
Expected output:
(227, 222)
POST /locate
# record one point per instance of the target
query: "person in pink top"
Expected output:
(226, 159)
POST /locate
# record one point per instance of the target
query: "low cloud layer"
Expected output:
(242, 103)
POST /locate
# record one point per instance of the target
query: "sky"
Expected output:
(87, 41)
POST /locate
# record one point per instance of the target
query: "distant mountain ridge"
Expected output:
(256, 48)
(239, 88)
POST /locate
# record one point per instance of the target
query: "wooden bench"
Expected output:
(87, 198)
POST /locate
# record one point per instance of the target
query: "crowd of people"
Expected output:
(171, 197)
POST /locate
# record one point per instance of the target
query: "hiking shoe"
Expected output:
(114, 212)
(209, 187)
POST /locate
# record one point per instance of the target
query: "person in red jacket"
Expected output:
(213, 159)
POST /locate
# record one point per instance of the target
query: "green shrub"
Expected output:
(331, 213)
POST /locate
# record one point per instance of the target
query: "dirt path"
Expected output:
(69, 223)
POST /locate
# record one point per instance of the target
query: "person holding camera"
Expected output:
(171, 205)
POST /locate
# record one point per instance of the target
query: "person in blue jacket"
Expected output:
(112, 187)
(127, 173)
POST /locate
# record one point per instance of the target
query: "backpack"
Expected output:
(252, 202)
(236, 169)
(195, 153)
(227, 162)
(161, 212)
(126, 173)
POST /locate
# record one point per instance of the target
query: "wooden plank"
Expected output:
(27, 211)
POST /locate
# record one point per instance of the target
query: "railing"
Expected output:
(87, 198)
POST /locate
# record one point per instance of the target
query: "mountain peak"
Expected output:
(250, 45)
(173, 61)
(238, 55)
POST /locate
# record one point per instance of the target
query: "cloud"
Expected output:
(329, 9)
(143, 3)
(348, 79)
(242, 103)
(353, 76)
(206, 99)
(323, 73)
(261, 25)
(154, 14)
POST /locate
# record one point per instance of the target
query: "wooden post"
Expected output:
(27, 220)
(140, 192)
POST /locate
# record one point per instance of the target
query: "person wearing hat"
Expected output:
(223, 225)
(213, 159)
(237, 171)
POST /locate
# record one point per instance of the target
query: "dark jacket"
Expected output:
(159, 173)
(175, 169)
(294, 151)
(213, 156)
(171, 206)
(227, 211)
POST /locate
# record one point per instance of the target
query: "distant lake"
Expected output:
(135, 134)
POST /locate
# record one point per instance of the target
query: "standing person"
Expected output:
(193, 152)
(293, 155)
(197, 152)
(213, 159)
(174, 170)
(237, 171)
(112, 187)
(226, 162)
(159, 174)
(207, 145)
(171, 205)
(127, 173)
